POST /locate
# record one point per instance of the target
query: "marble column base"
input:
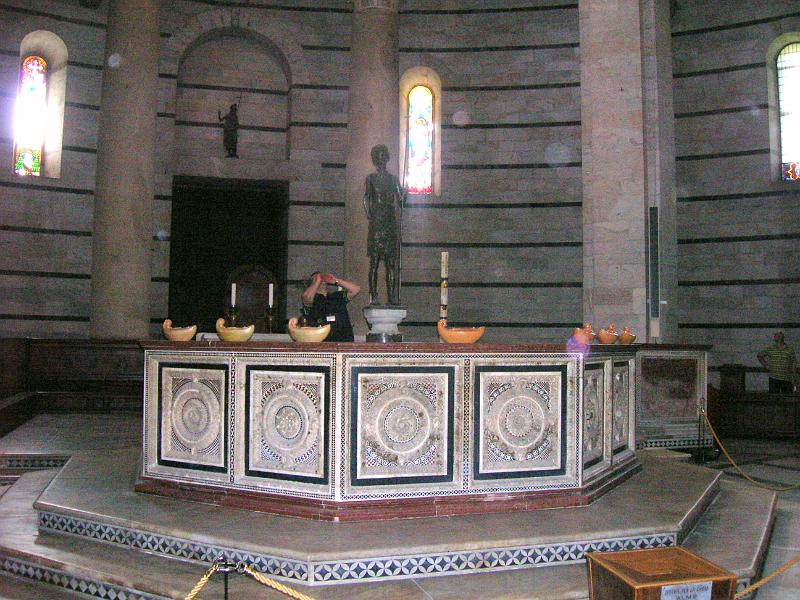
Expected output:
(383, 321)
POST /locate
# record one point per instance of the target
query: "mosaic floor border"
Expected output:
(360, 569)
(68, 581)
(28, 462)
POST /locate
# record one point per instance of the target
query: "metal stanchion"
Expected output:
(226, 567)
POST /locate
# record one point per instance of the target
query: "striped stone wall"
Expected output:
(509, 213)
(738, 233)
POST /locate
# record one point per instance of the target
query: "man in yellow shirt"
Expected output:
(780, 361)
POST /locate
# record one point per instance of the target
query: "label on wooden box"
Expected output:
(687, 591)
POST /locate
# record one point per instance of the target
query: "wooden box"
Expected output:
(657, 574)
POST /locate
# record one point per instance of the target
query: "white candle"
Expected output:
(444, 295)
(445, 256)
(270, 295)
(233, 294)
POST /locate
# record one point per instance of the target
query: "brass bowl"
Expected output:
(459, 335)
(234, 334)
(178, 334)
(308, 334)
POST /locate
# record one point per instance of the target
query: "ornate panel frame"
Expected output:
(520, 417)
(596, 418)
(401, 435)
(195, 387)
(623, 410)
(305, 382)
(660, 420)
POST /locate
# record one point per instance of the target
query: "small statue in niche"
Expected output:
(383, 201)
(230, 131)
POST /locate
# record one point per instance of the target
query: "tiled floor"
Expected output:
(776, 461)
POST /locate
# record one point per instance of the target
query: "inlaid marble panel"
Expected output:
(519, 421)
(620, 420)
(191, 408)
(593, 414)
(286, 414)
(402, 424)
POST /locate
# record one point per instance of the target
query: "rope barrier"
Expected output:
(203, 581)
(220, 564)
(264, 580)
(768, 578)
(722, 448)
(751, 588)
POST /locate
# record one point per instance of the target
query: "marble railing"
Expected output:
(349, 431)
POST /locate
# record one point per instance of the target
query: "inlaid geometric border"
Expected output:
(286, 568)
(72, 582)
(32, 463)
(688, 442)
(356, 569)
(495, 559)
(325, 421)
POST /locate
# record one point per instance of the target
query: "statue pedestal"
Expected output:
(383, 320)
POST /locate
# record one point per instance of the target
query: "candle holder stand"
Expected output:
(270, 320)
(231, 316)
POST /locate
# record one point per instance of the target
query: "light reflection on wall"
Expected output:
(30, 117)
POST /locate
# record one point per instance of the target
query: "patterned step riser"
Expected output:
(360, 569)
(87, 586)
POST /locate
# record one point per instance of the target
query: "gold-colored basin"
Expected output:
(178, 334)
(459, 335)
(308, 334)
(234, 334)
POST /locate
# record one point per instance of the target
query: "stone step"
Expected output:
(735, 530)
(15, 588)
(105, 571)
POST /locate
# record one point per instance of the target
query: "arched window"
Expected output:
(420, 131)
(30, 116)
(419, 148)
(39, 111)
(788, 75)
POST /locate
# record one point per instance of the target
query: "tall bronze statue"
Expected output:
(383, 200)
(230, 131)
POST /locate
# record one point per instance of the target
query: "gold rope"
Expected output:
(738, 468)
(775, 573)
(203, 581)
(264, 580)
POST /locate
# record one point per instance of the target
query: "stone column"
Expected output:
(373, 119)
(659, 137)
(121, 235)
(618, 180)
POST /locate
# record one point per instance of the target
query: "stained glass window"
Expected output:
(30, 116)
(788, 66)
(419, 150)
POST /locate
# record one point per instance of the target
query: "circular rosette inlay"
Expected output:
(289, 421)
(402, 422)
(521, 422)
(196, 418)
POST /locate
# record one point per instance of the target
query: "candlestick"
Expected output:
(233, 294)
(270, 295)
